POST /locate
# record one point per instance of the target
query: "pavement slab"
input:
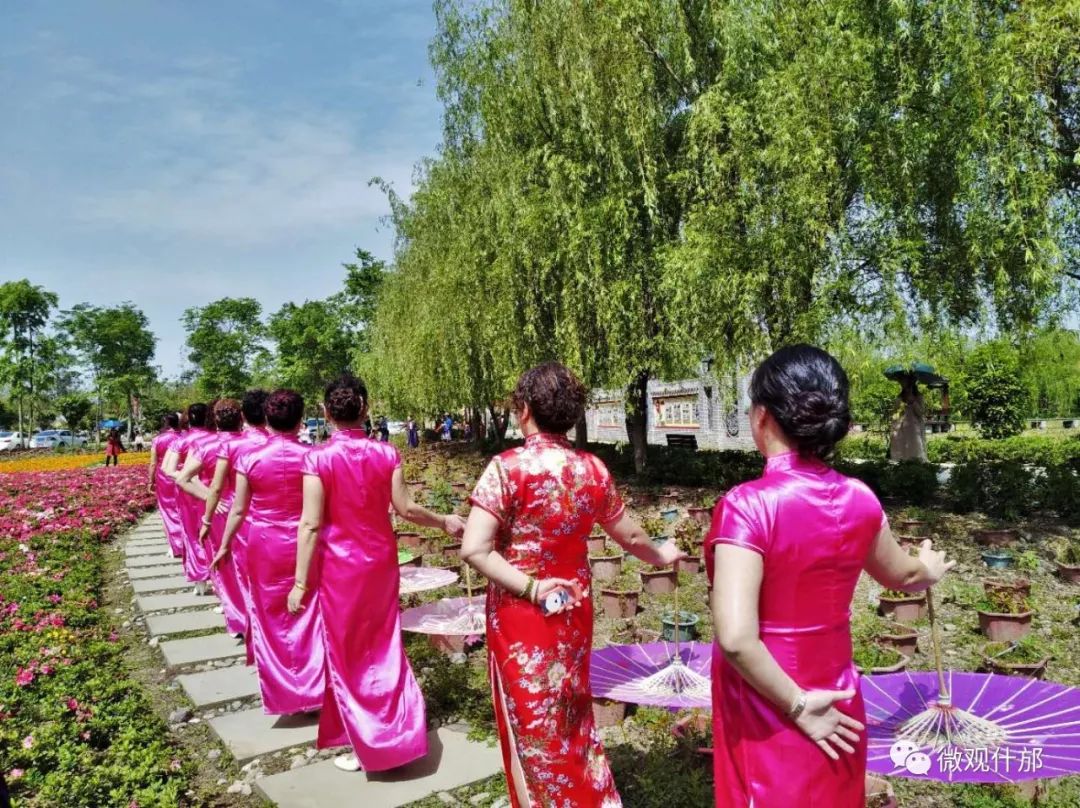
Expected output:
(176, 568)
(159, 624)
(185, 600)
(149, 561)
(172, 582)
(200, 649)
(220, 686)
(452, 761)
(251, 733)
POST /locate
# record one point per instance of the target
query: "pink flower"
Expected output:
(24, 677)
(55, 598)
(16, 774)
(73, 704)
(28, 742)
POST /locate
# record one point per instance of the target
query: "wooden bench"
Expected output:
(682, 441)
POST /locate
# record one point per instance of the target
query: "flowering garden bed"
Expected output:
(75, 728)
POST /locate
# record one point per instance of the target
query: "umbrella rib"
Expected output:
(1072, 709)
(979, 695)
(877, 687)
(1030, 683)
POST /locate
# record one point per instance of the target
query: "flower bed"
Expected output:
(75, 729)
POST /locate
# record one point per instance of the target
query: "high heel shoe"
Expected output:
(347, 763)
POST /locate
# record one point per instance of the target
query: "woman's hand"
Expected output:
(150, 488)
(217, 559)
(545, 586)
(204, 531)
(668, 553)
(934, 561)
(296, 599)
(453, 525)
(832, 730)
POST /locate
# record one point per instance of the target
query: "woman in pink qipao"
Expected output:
(289, 648)
(219, 503)
(785, 552)
(197, 480)
(373, 701)
(163, 486)
(200, 431)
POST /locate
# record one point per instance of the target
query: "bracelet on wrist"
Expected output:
(206, 523)
(302, 587)
(525, 589)
(797, 706)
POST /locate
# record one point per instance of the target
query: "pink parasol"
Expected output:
(448, 617)
(425, 579)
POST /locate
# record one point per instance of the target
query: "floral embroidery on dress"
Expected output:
(546, 497)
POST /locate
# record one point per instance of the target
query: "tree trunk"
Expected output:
(581, 432)
(22, 432)
(31, 370)
(477, 424)
(637, 406)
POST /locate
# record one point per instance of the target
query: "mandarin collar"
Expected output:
(794, 461)
(539, 438)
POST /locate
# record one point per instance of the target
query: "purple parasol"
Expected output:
(449, 617)
(986, 729)
(659, 674)
(424, 579)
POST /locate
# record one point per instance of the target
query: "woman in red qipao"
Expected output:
(785, 552)
(535, 507)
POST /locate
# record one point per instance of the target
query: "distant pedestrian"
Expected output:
(447, 427)
(412, 434)
(113, 447)
(384, 429)
(140, 442)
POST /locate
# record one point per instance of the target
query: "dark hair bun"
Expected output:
(556, 397)
(227, 415)
(284, 409)
(346, 399)
(806, 391)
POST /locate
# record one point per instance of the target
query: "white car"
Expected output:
(52, 438)
(11, 440)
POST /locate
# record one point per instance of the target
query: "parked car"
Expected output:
(53, 438)
(11, 440)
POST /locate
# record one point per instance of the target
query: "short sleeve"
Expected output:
(310, 464)
(243, 463)
(611, 501)
(736, 521)
(393, 456)
(492, 491)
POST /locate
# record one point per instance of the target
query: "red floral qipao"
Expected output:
(547, 497)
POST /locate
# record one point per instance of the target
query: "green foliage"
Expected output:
(667, 771)
(1003, 489)
(998, 402)
(1050, 362)
(24, 312)
(907, 483)
(74, 408)
(225, 338)
(313, 346)
(1033, 450)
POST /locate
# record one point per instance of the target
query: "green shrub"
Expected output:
(1003, 489)
(910, 482)
(1061, 492)
(997, 400)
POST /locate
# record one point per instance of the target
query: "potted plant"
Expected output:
(1005, 615)
(656, 529)
(451, 551)
(702, 514)
(695, 730)
(688, 538)
(996, 537)
(1026, 657)
(875, 658)
(1019, 584)
(687, 626)
(913, 527)
(410, 540)
(606, 567)
(597, 543)
(1068, 562)
(902, 607)
(608, 713)
(879, 793)
(620, 600)
(998, 559)
(896, 635)
(659, 582)
(669, 499)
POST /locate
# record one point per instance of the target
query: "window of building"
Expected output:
(681, 411)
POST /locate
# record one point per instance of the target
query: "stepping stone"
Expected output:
(251, 733)
(161, 603)
(146, 550)
(156, 572)
(143, 541)
(173, 582)
(200, 649)
(149, 561)
(452, 761)
(220, 686)
(158, 624)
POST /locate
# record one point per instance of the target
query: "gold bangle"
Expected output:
(525, 590)
(798, 706)
(300, 586)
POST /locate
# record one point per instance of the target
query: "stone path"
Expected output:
(209, 667)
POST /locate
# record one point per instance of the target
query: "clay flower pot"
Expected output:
(691, 565)
(607, 713)
(669, 514)
(903, 639)
(1069, 572)
(703, 516)
(660, 582)
(997, 559)
(459, 486)
(999, 627)
(605, 568)
(879, 793)
(619, 603)
(669, 498)
(913, 527)
(413, 541)
(596, 544)
(907, 543)
(1032, 670)
(451, 552)
(905, 610)
(996, 538)
(896, 667)
(1019, 585)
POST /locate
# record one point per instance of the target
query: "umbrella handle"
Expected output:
(935, 638)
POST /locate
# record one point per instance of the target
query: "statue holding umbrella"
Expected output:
(908, 435)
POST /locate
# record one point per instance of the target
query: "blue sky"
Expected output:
(173, 153)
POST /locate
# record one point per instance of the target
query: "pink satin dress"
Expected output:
(231, 451)
(224, 577)
(196, 561)
(165, 489)
(814, 528)
(373, 701)
(289, 649)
